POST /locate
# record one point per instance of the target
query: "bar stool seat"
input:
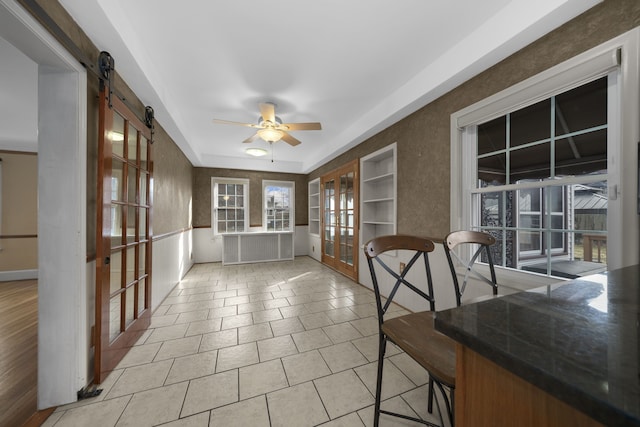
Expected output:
(435, 352)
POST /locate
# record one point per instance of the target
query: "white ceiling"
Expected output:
(356, 66)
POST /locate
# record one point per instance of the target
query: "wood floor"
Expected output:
(18, 351)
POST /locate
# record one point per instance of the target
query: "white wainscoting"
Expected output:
(172, 258)
(314, 246)
(207, 248)
(241, 248)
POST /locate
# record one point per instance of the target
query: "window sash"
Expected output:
(231, 216)
(278, 208)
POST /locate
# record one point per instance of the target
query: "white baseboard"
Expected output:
(7, 276)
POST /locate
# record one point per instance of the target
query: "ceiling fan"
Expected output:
(270, 127)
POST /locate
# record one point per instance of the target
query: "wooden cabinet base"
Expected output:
(488, 395)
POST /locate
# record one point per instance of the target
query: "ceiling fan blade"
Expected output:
(251, 138)
(290, 140)
(268, 111)
(228, 122)
(301, 126)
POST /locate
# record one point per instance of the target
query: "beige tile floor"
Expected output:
(272, 344)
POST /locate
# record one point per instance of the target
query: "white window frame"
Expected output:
(617, 58)
(214, 202)
(292, 208)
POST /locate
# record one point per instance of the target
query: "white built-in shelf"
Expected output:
(314, 206)
(378, 193)
(386, 176)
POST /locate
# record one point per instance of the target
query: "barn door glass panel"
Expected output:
(347, 218)
(329, 218)
(129, 222)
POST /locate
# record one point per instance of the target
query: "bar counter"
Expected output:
(577, 341)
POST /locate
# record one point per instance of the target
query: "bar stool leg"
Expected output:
(381, 351)
(430, 398)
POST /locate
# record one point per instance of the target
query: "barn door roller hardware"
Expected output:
(106, 68)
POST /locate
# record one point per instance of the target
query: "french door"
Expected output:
(340, 219)
(123, 242)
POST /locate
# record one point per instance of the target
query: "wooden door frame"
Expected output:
(352, 166)
(108, 353)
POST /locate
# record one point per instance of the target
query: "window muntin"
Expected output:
(278, 205)
(532, 166)
(230, 204)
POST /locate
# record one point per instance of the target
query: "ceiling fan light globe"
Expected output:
(270, 135)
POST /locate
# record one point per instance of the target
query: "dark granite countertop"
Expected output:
(578, 340)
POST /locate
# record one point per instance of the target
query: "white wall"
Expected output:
(172, 257)
(314, 247)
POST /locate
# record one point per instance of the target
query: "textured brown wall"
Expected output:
(172, 170)
(19, 214)
(202, 193)
(172, 191)
(424, 137)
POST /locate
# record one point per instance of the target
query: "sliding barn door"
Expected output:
(123, 245)
(340, 219)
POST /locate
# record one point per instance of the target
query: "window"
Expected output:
(278, 205)
(538, 165)
(230, 201)
(530, 161)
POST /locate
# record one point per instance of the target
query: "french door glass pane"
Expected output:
(142, 292)
(143, 153)
(114, 317)
(131, 265)
(328, 248)
(130, 305)
(143, 188)
(350, 255)
(142, 228)
(117, 180)
(115, 268)
(132, 180)
(142, 256)
(132, 149)
(116, 225)
(117, 135)
(131, 224)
